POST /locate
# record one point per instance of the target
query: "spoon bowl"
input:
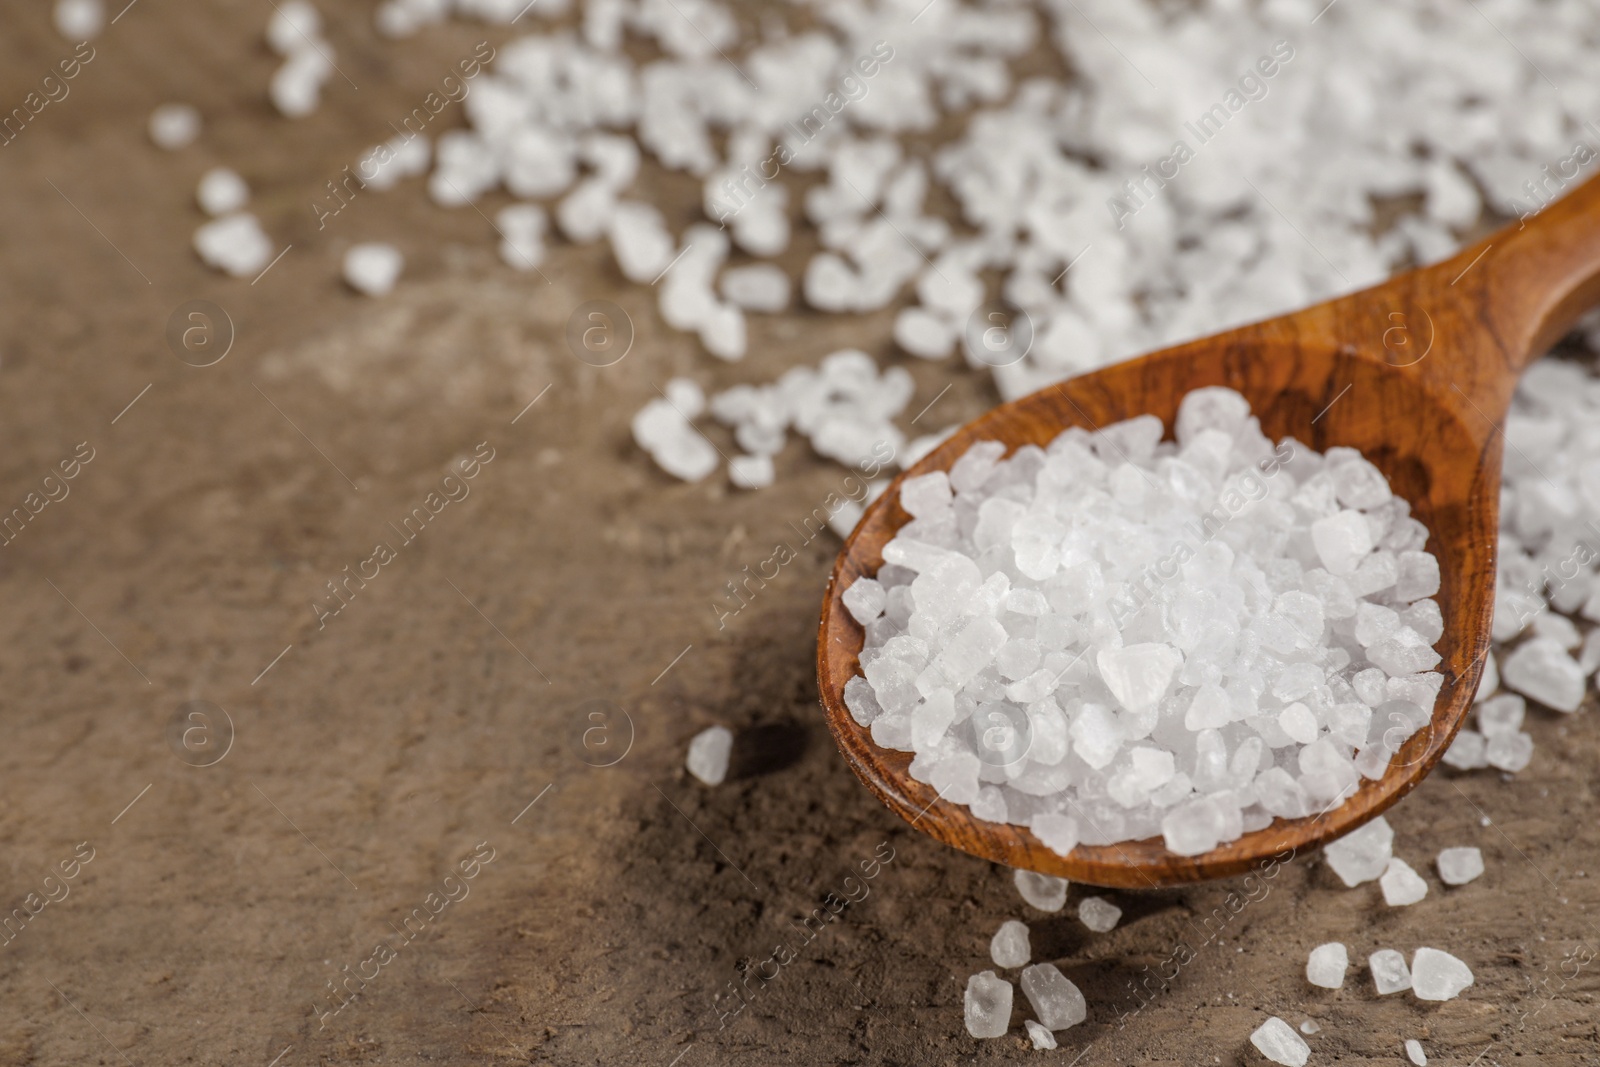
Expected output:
(1416, 373)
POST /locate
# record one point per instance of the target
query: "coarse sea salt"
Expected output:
(1098, 914)
(1437, 975)
(1414, 1052)
(1277, 1041)
(1122, 636)
(1043, 891)
(1389, 971)
(1009, 946)
(1326, 965)
(1458, 866)
(1401, 884)
(708, 754)
(373, 267)
(1055, 998)
(988, 1005)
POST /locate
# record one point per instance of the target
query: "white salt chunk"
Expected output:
(1059, 833)
(1041, 1038)
(1458, 866)
(1437, 975)
(1341, 541)
(1055, 999)
(1414, 1052)
(1363, 854)
(1277, 1041)
(864, 600)
(988, 1005)
(234, 244)
(1509, 752)
(1501, 714)
(1541, 669)
(757, 287)
(1309, 1027)
(923, 334)
(1138, 675)
(1327, 964)
(1098, 914)
(221, 192)
(1467, 752)
(373, 267)
(1009, 946)
(79, 20)
(1401, 884)
(174, 126)
(751, 472)
(1389, 971)
(1042, 891)
(708, 754)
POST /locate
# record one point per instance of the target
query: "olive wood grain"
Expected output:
(1417, 373)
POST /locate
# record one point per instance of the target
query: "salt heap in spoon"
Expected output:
(1117, 636)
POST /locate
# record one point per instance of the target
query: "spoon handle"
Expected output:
(1501, 303)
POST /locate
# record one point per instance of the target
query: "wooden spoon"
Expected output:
(1416, 373)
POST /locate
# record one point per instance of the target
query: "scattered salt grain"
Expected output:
(759, 287)
(1458, 866)
(372, 268)
(988, 1005)
(1310, 1026)
(1401, 884)
(751, 472)
(221, 192)
(1437, 975)
(1040, 1037)
(174, 126)
(234, 244)
(1042, 891)
(1363, 854)
(1327, 964)
(79, 20)
(1389, 971)
(1541, 669)
(1277, 1041)
(1009, 946)
(1055, 999)
(1414, 1052)
(708, 754)
(1509, 752)
(1098, 914)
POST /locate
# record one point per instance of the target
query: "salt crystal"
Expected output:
(1437, 975)
(1389, 971)
(79, 20)
(1299, 723)
(1326, 965)
(1193, 827)
(1277, 1041)
(1414, 1052)
(757, 287)
(221, 191)
(1040, 1037)
(293, 26)
(1509, 752)
(1138, 675)
(1042, 891)
(1059, 833)
(1401, 884)
(1458, 866)
(174, 126)
(987, 1005)
(1363, 854)
(1467, 752)
(1098, 914)
(864, 600)
(234, 244)
(1309, 1027)
(373, 267)
(708, 754)
(924, 334)
(1055, 999)
(1541, 669)
(751, 472)
(1341, 541)
(1501, 714)
(640, 241)
(1009, 946)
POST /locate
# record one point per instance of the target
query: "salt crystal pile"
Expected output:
(1458, 866)
(708, 754)
(221, 192)
(235, 244)
(1389, 971)
(372, 267)
(1401, 884)
(1277, 1041)
(1099, 914)
(1363, 854)
(1009, 946)
(1437, 975)
(1055, 999)
(1414, 1052)
(1042, 891)
(1326, 965)
(988, 1005)
(174, 126)
(295, 32)
(1117, 636)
